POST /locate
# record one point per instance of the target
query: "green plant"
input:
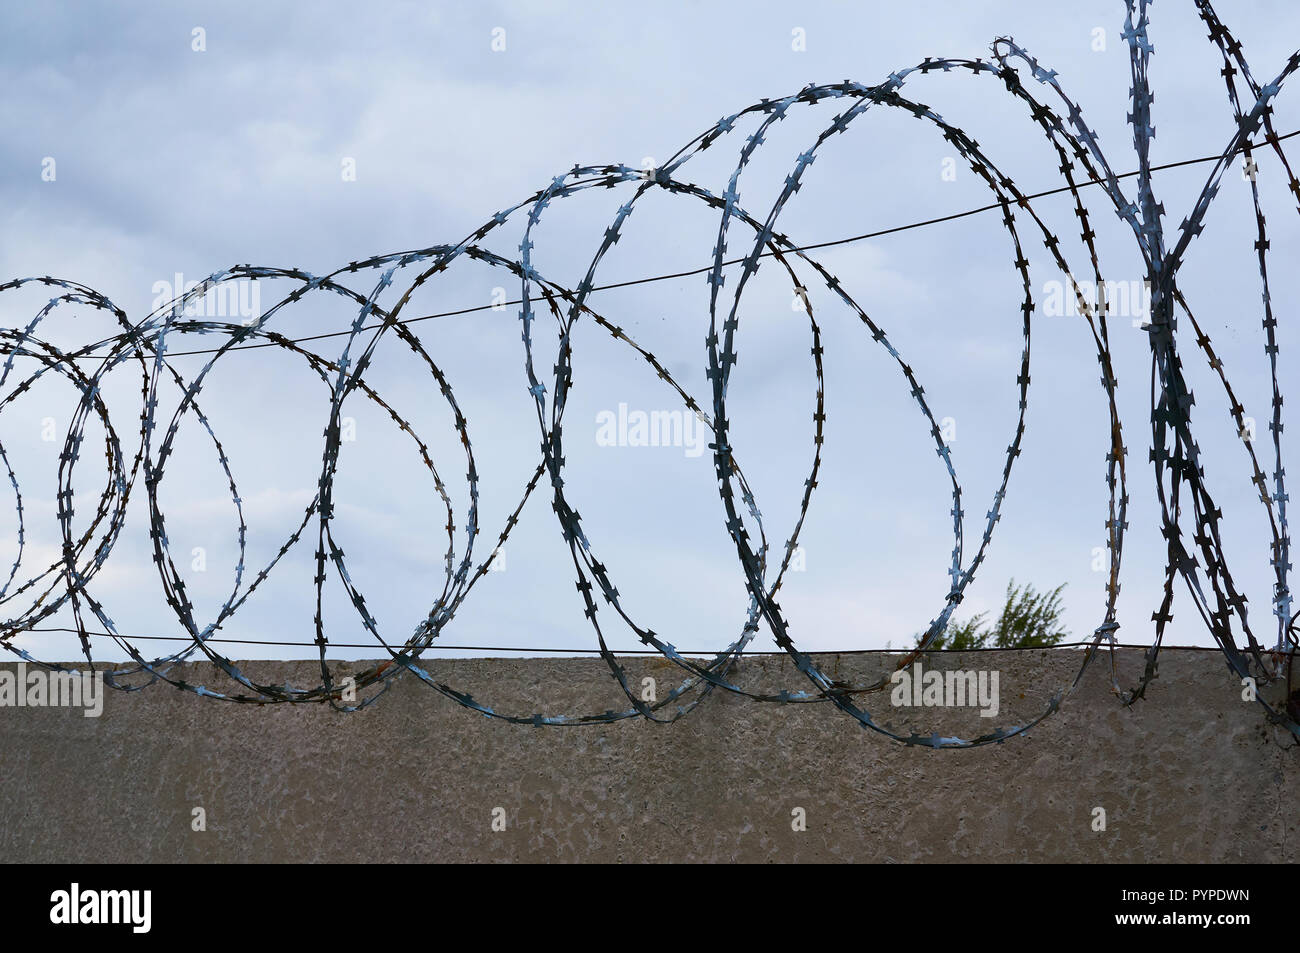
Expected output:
(1029, 619)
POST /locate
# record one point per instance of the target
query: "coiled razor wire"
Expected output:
(1189, 518)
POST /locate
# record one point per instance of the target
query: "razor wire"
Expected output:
(1194, 547)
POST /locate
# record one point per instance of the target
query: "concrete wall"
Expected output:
(1190, 774)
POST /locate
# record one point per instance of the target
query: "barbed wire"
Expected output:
(89, 351)
(699, 653)
(1190, 520)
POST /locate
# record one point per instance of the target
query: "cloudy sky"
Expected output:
(186, 139)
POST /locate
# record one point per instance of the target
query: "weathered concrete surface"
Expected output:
(1191, 774)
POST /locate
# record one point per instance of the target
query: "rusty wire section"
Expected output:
(1189, 518)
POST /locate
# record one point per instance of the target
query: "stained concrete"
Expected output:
(1192, 773)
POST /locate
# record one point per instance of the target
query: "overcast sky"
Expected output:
(170, 160)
